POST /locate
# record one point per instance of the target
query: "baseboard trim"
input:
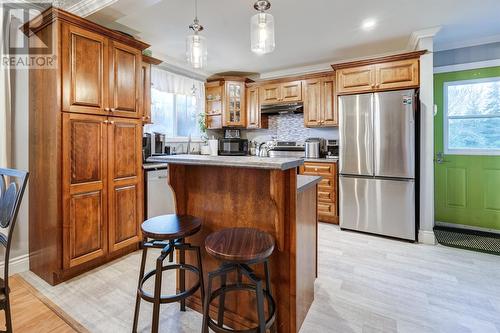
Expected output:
(467, 227)
(426, 237)
(18, 264)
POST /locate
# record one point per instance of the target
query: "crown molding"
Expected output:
(416, 36)
(308, 69)
(177, 67)
(88, 7)
(467, 43)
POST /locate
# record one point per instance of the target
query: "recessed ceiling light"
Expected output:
(369, 24)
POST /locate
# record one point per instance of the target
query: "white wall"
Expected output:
(426, 234)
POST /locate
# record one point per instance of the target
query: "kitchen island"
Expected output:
(264, 193)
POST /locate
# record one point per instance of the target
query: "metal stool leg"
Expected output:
(182, 275)
(157, 294)
(206, 305)
(274, 327)
(200, 267)
(138, 298)
(222, 301)
(260, 306)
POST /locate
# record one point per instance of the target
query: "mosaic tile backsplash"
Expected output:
(290, 127)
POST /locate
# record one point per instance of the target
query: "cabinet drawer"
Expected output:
(325, 169)
(326, 183)
(326, 208)
(326, 195)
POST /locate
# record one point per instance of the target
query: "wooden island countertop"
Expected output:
(263, 193)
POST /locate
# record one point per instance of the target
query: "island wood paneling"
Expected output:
(264, 199)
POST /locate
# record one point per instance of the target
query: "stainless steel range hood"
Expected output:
(282, 108)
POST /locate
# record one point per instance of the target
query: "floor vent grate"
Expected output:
(468, 239)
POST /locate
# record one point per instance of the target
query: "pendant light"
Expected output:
(262, 29)
(196, 45)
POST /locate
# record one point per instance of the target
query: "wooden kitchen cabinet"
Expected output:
(145, 86)
(397, 74)
(399, 71)
(356, 80)
(124, 83)
(85, 142)
(284, 92)
(99, 75)
(254, 118)
(84, 71)
(125, 190)
(319, 102)
(234, 109)
(84, 167)
(225, 103)
(327, 188)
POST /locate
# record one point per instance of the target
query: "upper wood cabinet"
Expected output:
(234, 112)
(84, 71)
(146, 92)
(281, 92)
(357, 79)
(225, 104)
(387, 73)
(319, 102)
(99, 76)
(124, 84)
(254, 117)
(397, 74)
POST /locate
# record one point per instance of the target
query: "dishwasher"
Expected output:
(159, 195)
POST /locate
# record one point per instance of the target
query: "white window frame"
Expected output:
(468, 151)
(176, 138)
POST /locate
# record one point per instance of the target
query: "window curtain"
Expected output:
(168, 82)
(5, 96)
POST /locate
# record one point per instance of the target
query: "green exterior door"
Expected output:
(467, 187)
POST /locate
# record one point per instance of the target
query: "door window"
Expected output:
(472, 117)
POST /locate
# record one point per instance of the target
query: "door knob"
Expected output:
(440, 158)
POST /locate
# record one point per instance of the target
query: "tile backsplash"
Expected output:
(289, 127)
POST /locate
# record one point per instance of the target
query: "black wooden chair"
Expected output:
(12, 186)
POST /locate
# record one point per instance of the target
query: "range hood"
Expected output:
(282, 108)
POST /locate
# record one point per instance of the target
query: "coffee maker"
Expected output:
(332, 149)
(146, 146)
(157, 143)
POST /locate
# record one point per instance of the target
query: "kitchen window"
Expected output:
(176, 105)
(472, 117)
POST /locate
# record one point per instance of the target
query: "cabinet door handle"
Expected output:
(105, 121)
(112, 109)
(106, 109)
(111, 122)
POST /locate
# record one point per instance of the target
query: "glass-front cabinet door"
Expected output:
(235, 113)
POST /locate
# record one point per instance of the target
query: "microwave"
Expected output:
(233, 147)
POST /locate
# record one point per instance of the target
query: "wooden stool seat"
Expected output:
(172, 226)
(243, 245)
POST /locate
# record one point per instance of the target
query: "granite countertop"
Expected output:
(322, 159)
(252, 162)
(304, 182)
(155, 165)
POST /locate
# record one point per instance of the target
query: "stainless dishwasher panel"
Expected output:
(379, 206)
(159, 194)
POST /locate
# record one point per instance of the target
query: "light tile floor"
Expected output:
(366, 284)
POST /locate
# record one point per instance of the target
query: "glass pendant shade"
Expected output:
(196, 50)
(262, 33)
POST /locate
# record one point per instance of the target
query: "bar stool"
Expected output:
(237, 248)
(168, 232)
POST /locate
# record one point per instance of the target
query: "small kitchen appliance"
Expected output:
(233, 147)
(286, 149)
(314, 147)
(157, 143)
(146, 146)
(332, 149)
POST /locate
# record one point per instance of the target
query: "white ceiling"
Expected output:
(307, 32)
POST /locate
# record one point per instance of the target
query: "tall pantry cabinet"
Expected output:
(86, 116)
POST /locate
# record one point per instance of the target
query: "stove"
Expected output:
(287, 149)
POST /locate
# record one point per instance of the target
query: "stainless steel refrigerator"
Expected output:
(377, 163)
